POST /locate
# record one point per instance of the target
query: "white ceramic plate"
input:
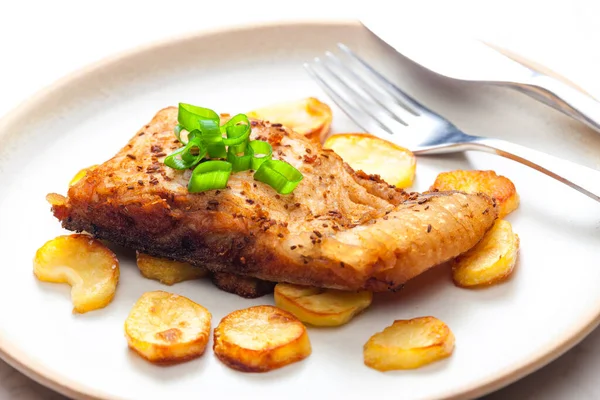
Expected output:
(502, 332)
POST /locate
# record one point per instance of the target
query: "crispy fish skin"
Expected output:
(338, 229)
(243, 286)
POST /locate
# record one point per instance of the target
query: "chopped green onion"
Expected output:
(209, 175)
(280, 175)
(193, 152)
(189, 116)
(178, 129)
(237, 130)
(237, 135)
(240, 163)
(210, 127)
(190, 155)
(236, 120)
(215, 146)
(239, 148)
(194, 135)
(230, 141)
(211, 136)
(216, 150)
(176, 163)
(262, 151)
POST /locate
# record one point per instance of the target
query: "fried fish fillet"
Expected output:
(243, 286)
(339, 228)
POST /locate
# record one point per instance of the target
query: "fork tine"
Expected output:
(359, 99)
(401, 114)
(360, 117)
(388, 86)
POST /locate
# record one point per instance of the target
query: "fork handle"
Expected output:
(564, 98)
(579, 177)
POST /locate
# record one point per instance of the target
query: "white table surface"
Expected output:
(41, 41)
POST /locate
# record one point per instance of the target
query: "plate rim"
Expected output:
(64, 385)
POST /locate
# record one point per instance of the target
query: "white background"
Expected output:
(41, 41)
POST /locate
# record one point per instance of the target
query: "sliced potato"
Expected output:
(491, 261)
(166, 328)
(409, 344)
(374, 156)
(83, 262)
(167, 271)
(308, 116)
(81, 174)
(497, 186)
(260, 339)
(321, 307)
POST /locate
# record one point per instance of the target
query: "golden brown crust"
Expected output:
(378, 187)
(244, 286)
(338, 229)
(260, 339)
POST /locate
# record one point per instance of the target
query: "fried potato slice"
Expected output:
(497, 186)
(83, 262)
(374, 156)
(167, 271)
(308, 116)
(491, 261)
(166, 328)
(321, 307)
(260, 339)
(409, 344)
(81, 174)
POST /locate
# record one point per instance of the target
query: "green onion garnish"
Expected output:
(176, 163)
(193, 152)
(237, 130)
(187, 156)
(216, 150)
(189, 116)
(178, 129)
(262, 151)
(212, 138)
(280, 175)
(240, 162)
(209, 175)
(208, 139)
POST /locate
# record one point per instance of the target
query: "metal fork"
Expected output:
(382, 109)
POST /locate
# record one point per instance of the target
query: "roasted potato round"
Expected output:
(167, 271)
(409, 344)
(260, 339)
(83, 262)
(321, 307)
(374, 156)
(166, 328)
(308, 116)
(491, 261)
(499, 187)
